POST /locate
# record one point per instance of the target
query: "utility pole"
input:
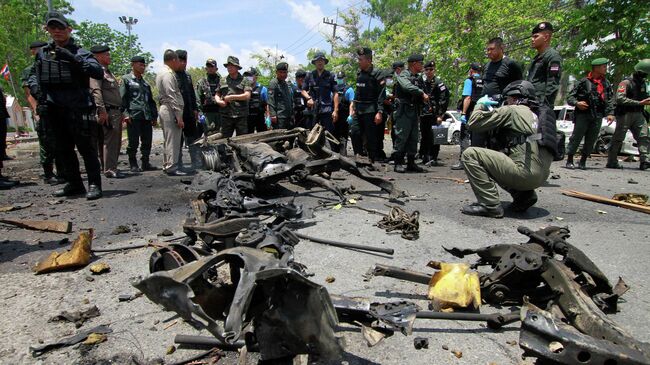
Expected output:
(334, 24)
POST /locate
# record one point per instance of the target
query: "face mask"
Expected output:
(340, 81)
(389, 82)
(249, 78)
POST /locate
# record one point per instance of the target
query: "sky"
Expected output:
(217, 28)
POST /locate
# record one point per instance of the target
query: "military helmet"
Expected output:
(340, 75)
(643, 66)
(521, 88)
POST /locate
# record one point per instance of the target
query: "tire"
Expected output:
(603, 144)
(455, 138)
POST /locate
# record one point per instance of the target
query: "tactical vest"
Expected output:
(635, 91)
(299, 103)
(255, 104)
(343, 102)
(477, 88)
(405, 97)
(368, 87)
(52, 71)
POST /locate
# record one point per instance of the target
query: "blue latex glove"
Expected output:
(267, 121)
(349, 120)
(201, 119)
(463, 119)
(485, 103)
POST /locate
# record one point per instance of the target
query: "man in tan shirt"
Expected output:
(170, 115)
(106, 93)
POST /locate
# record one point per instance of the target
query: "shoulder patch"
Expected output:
(554, 67)
(621, 87)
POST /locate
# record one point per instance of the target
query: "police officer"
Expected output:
(473, 89)
(368, 104)
(106, 93)
(45, 139)
(593, 98)
(409, 99)
(432, 113)
(320, 90)
(546, 68)
(397, 67)
(61, 76)
(206, 89)
(281, 98)
(389, 103)
(170, 115)
(140, 114)
(257, 103)
(500, 71)
(631, 97)
(301, 115)
(342, 125)
(191, 129)
(233, 96)
(518, 162)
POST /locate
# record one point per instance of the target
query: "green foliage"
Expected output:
(122, 47)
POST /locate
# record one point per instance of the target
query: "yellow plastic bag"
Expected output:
(78, 256)
(454, 286)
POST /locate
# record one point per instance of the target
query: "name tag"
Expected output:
(361, 84)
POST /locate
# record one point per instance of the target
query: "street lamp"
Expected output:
(129, 21)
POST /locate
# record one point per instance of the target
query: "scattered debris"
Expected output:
(555, 176)
(454, 179)
(388, 251)
(128, 297)
(172, 324)
(330, 279)
(121, 229)
(55, 201)
(77, 317)
(421, 343)
(95, 338)
(604, 200)
(15, 206)
(47, 226)
(454, 286)
(99, 268)
(170, 350)
(398, 220)
(77, 256)
(445, 347)
(632, 181)
(600, 211)
(632, 198)
(457, 353)
(511, 343)
(68, 341)
(166, 233)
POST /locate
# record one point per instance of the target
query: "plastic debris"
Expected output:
(454, 286)
(77, 256)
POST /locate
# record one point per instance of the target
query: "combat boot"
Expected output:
(483, 210)
(412, 166)
(133, 164)
(70, 189)
(425, 159)
(522, 200)
(399, 165)
(147, 166)
(569, 162)
(582, 165)
(457, 166)
(94, 192)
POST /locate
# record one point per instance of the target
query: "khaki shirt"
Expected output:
(106, 92)
(169, 93)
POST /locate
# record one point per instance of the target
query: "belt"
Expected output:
(112, 107)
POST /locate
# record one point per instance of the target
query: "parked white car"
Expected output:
(451, 121)
(564, 123)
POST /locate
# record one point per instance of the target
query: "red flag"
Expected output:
(5, 72)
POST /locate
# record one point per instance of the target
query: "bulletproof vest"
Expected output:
(255, 106)
(477, 88)
(343, 102)
(298, 100)
(368, 87)
(635, 91)
(52, 71)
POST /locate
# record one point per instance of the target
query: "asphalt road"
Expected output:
(616, 239)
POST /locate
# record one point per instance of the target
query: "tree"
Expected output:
(122, 47)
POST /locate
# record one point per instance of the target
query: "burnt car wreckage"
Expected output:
(235, 274)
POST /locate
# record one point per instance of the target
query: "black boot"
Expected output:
(582, 165)
(399, 165)
(522, 200)
(94, 192)
(70, 189)
(412, 166)
(569, 162)
(133, 163)
(425, 159)
(483, 210)
(147, 166)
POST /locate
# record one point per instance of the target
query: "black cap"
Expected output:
(182, 54)
(37, 44)
(251, 72)
(301, 73)
(416, 57)
(99, 48)
(56, 17)
(543, 26)
(340, 75)
(397, 64)
(282, 66)
(430, 64)
(211, 62)
(138, 59)
(364, 51)
(476, 66)
(319, 55)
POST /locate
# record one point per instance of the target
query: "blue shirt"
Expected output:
(349, 94)
(264, 93)
(321, 89)
(467, 86)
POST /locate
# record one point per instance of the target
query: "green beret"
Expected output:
(416, 57)
(138, 59)
(599, 61)
(364, 51)
(543, 26)
(282, 66)
(99, 49)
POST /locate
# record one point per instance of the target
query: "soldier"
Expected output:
(318, 88)
(631, 97)
(302, 116)
(472, 90)
(342, 125)
(524, 163)
(170, 115)
(409, 99)
(140, 114)
(206, 89)
(397, 66)
(368, 104)
(594, 99)
(106, 93)
(61, 76)
(191, 129)
(257, 102)
(281, 98)
(432, 113)
(232, 97)
(389, 103)
(546, 68)
(45, 138)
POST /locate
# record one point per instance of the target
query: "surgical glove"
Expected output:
(349, 120)
(463, 119)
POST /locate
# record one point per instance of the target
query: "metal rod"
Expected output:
(401, 274)
(388, 251)
(190, 340)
